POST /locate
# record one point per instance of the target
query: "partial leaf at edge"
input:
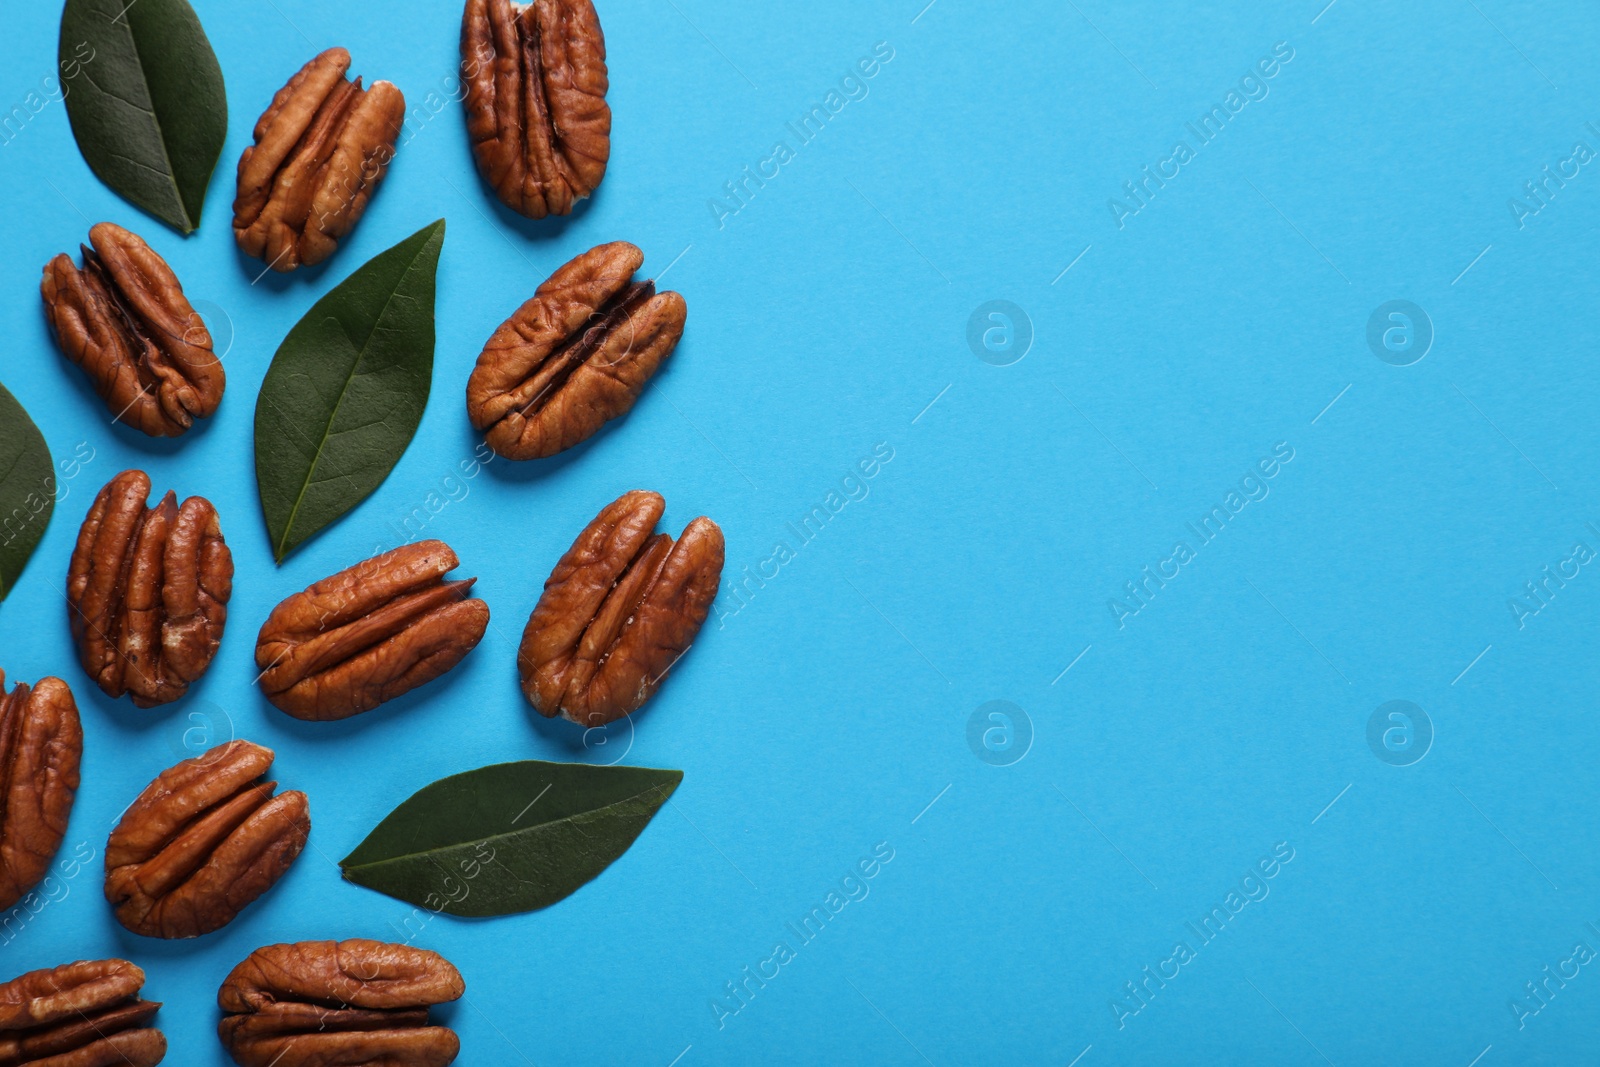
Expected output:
(146, 100)
(346, 391)
(510, 837)
(27, 489)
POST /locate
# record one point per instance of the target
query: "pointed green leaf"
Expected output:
(510, 837)
(346, 390)
(145, 96)
(27, 489)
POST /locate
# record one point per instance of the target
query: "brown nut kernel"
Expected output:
(124, 319)
(369, 633)
(536, 86)
(575, 356)
(85, 1014)
(203, 841)
(618, 611)
(147, 591)
(328, 1003)
(41, 742)
(321, 149)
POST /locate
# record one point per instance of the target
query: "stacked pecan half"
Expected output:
(85, 1014)
(321, 148)
(202, 842)
(536, 85)
(369, 633)
(124, 319)
(41, 742)
(575, 356)
(322, 1003)
(147, 591)
(619, 610)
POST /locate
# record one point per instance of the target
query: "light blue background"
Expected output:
(831, 711)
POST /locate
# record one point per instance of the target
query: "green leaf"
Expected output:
(509, 837)
(27, 489)
(146, 100)
(346, 390)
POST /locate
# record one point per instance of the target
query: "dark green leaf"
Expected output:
(510, 837)
(346, 390)
(27, 489)
(146, 101)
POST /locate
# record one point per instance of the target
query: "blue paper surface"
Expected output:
(1173, 326)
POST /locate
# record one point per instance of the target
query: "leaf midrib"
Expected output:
(361, 354)
(535, 828)
(160, 133)
(22, 428)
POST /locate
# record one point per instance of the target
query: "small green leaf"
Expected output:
(509, 837)
(27, 489)
(145, 96)
(346, 391)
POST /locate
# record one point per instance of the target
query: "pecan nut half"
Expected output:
(124, 319)
(618, 611)
(369, 633)
(41, 742)
(321, 149)
(537, 115)
(203, 841)
(147, 591)
(333, 1003)
(84, 1014)
(574, 356)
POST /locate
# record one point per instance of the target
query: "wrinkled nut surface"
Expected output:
(536, 83)
(336, 1003)
(85, 1014)
(124, 319)
(147, 591)
(41, 742)
(575, 356)
(369, 633)
(202, 842)
(619, 610)
(321, 149)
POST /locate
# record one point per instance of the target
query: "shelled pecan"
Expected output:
(537, 115)
(327, 1003)
(203, 841)
(147, 591)
(618, 611)
(124, 319)
(85, 1014)
(369, 633)
(41, 742)
(574, 356)
(321, 149)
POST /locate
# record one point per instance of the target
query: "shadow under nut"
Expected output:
(573, 357)
(327, 1003)
(321, 149)
(83, 1014)
(41, 744)
(620, 608)
(124, 320)
(202, 842)
(369, 633)
(147, 591)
